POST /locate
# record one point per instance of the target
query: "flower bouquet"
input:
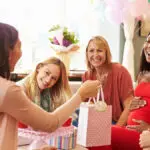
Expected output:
(63, 42)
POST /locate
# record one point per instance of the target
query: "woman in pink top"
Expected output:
(15, 105)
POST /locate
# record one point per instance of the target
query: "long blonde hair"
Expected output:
(59, 93)
(100, 39)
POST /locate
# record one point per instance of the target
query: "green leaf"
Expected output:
(70, 36)
(51, 39)
(54, 28)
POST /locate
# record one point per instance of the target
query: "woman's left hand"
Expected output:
(142, 125)
(136, 103)
(145, 140)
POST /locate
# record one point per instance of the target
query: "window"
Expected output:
(34, 18)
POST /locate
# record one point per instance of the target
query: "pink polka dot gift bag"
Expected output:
(94, 127)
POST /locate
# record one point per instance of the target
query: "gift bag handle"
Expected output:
(99, 105)
(100, 92)
(91, 99)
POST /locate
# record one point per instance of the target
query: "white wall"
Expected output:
(111, 32)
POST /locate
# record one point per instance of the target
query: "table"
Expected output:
(77, 148)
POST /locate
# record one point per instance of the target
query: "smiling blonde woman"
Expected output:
(48, 85)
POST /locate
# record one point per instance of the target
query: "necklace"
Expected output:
(102, 77)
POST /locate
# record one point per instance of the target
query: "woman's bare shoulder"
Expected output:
(5, 84)
(8, 88)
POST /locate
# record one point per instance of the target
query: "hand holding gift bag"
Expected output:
(94, 128)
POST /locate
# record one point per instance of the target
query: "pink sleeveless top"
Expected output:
(8, 125)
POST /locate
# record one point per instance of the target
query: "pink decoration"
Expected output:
(115, 4)
(116, 10)
(94, 128)
(113, 15)
(59, 37)
(37, 135)
(138, 7)
(131, 0)
(62, 138)
(139, 18)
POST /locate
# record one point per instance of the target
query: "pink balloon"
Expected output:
(139, 18)
(138, 7)
(115, 4)
(131, 1)
(114, 16)
(126, 15)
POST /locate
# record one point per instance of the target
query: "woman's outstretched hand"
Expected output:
(136, 103)
(89, 89)
(145, 140)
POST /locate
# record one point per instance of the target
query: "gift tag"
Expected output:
(100, 106)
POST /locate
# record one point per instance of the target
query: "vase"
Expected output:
(65, 58)
(63, 53)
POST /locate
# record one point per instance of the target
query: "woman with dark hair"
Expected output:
(15, 105)
(144, 66)
(8, 41)
(145, 56)
(128, 138)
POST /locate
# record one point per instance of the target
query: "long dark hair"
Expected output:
(8, 39)
(144, 65)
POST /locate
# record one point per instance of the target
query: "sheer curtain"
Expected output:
(33, 19)
(128, 57)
